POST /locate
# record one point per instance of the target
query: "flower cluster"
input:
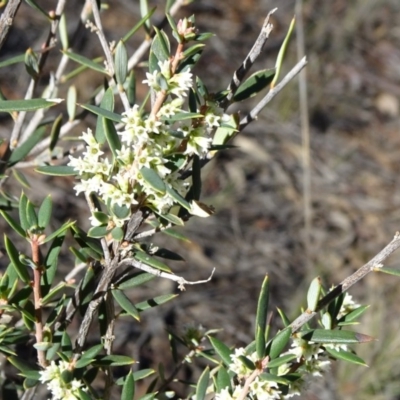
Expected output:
(59, 388)
(163, 142)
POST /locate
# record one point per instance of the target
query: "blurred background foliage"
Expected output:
(353, 49)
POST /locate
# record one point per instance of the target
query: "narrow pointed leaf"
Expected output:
(202, 385)
(114, 361)
(63, 29)
(346, 356)
(98, 231)
(146, 259)
(153, 179)
(160, 46)
(85, 62)
(353, 315)
(71, 102)
(326, 321)
(279, 342)
(45, 210)
(154, 302)
(111, 136)
(88, 356)
(59, 231)
(277, 362)
(57, 170)
(27, 105)
(121, 63)
(254, 84)
(178, 198)
(390, 271)
(223, 379)
(284, 318)
(261, 318)
(31, 214)
(313, 294)
(136, 281)
(336, 336)
(102, 112)
(128, 390)
(125, 304)
(12, 60)
(14, 224)
(55, 132)
(139, 24)
(16, 263)
(107, 103)
(23, 218)
(222, 350)
(23, 150)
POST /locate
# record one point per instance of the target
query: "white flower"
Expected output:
(180, 83)
(152, 80)
(265, 390)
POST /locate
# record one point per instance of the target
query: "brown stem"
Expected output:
(38, 299)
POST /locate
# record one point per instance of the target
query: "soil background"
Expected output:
(353, 72)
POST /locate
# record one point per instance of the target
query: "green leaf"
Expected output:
(261, 318)
(153, 179)
(51, 263)
(223, 379)
(346, 356)
(125, 303)
(12, 60)
(222, 350)
(36, 7)
(57, 170)
(27, 105)
(176, 235)
(13, 255)
(23, 218)
(144, 10)
(178, 198)
(174, 219)
(107, 103)
(14, 224)
(31, 215)
(337, 337)
(23, 150)
(112, 136)
(71, 102)
(20, 177)
(85, 62)
(128, 390)
(326, 321)
(247, 362)
(89, 356)
(390, 271)
(224, 133)
(313, 294)
(22, 365)
(168, 254)
(102, 112)
(254, 84)
(154, 302)
(202, 384)
(45, 211)
(172, 23)
(98, 231)
(161, 46)
(353, 315)
(56, 291)
(182, 116)
(277, 362)
(121, 63)
(121, 212)
(281, 54)
(55, 132)
(59, 231)
(114, 361)
(148, 260)
(32, 63)
(279, 342)
(66, 345)
(136, 280)
(284, 318)
(63, 29)
(138, 25)
(131, 90)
